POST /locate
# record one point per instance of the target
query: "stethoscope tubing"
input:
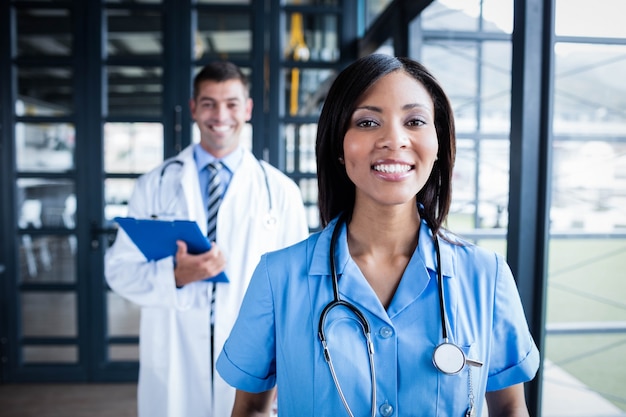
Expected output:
(447, 357)
(337, 302)
(271, 219)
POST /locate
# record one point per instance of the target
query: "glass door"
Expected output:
(98, 96)
(94, 94)
(46, 291)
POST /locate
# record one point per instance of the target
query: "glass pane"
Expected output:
(35, 258)
(42, 32)
(582, 351)
(313, 217)
(133, 32)
(223, 35)
(498, 16)
(464, 182)
(134, 91)
(481, 102)
(373, 8)
(306, 146)
(444, 59)
(47, 259)
(44, 91)
(50, 354)
(49, 314)
(132, 147)
(495, 97)
(122, 316)
(589, 177)
(45, 203)
(590, 97)
(601, 18)
(44, 147)
(305, 90)
(309, 190)
(311, 37)
(585, 331)
(588, 186)
(300, 148)
(386, 48)
(123, 353)
(493, 184)
(496, 245)
(480, 184)
(457, 15)
(117, 192)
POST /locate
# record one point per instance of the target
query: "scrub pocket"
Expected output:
(453, 391)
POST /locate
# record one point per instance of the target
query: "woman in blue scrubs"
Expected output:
(348, 325)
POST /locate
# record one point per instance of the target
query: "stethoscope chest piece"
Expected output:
(449, 358)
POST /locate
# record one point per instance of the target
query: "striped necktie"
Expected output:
(214, 199)
(215, 191)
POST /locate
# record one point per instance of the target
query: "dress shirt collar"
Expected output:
(230, 161)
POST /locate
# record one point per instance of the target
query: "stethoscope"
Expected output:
(447, 357)
(270, 219)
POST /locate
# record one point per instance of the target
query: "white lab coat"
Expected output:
(175, 373)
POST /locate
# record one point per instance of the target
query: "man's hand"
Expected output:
(190, 268)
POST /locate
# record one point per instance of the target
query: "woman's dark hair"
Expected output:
(336, 190)
(219, 71)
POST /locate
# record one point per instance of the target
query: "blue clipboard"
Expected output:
(156, 239)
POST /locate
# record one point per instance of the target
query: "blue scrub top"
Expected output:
(275, 338)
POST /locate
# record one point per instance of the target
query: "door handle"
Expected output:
(178, 127)
(96, 231)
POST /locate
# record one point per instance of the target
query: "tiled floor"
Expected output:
(563, 396)
(566, 396)
(68, 400)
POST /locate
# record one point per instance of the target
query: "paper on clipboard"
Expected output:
(156, 239)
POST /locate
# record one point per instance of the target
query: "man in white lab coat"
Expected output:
(261, 210)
